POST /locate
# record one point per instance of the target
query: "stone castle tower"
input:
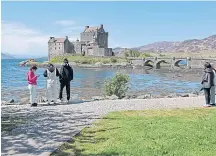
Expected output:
(93, 42)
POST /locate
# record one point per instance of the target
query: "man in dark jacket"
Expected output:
(207, 82)
(65, 76)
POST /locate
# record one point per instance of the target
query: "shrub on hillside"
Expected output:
(132, 53)
(118, 85)
(143, 55)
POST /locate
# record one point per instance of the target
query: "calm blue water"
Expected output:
(14, 77)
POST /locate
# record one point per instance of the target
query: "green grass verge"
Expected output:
(147, 133)
(88, 59)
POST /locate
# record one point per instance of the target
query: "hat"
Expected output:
(207, 65)
(65, 60)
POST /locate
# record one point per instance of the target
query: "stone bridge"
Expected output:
(173, 62)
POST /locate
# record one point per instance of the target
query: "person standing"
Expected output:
(207, 82)
(51, 73)
(212, 91)
(65, 76)
(32, 83)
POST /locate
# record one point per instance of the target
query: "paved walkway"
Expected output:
(50, 126)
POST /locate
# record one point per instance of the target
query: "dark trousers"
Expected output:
(207, 95)
(62, 85)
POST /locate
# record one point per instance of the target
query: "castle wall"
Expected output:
(56, 49)
(103, 40)
(87, 36)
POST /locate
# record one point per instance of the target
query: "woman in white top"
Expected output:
(51, 73)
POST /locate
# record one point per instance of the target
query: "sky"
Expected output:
(27, 26)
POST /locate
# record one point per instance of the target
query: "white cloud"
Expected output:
(18, 39)
(66, 22)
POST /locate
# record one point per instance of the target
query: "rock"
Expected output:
(133, 97)
(171, 96)
(95, 98)
(112, 97)
(193, 95)
(148, 96)
(24, 100)
(183, 95)
(11, 101)
(98, 63)
(158, 96)
(127, 97)
(141, 97)
(3, 102)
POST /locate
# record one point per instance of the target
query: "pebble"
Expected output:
(112, 97)
(95, 98)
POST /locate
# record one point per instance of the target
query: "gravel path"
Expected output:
(49, 126)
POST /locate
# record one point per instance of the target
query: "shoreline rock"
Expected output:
(43, 99)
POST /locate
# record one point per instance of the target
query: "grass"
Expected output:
(88, 59)
(147, 133)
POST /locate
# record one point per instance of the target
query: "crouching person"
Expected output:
(52, 74)
(32, 83)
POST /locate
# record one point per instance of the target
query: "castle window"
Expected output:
(59, 43)
(59, 47)
(55, 48)
(55, 43)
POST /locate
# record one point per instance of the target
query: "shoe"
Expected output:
(34, 105)
(212, 104)
(59, 101)
(207, 105)
(68, 101)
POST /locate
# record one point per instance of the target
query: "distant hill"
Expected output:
(193, 45)
(6, 56)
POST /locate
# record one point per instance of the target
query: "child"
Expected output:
(32, 82)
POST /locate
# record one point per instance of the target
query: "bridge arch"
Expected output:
(176, 63)
(158, 64)
(147, 63)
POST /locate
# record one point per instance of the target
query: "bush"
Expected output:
(113, 60)
(162, 55)
(143, 55)
(118, 85)
(105, 61)
(131, 53)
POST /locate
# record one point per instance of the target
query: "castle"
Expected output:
(93, 42)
